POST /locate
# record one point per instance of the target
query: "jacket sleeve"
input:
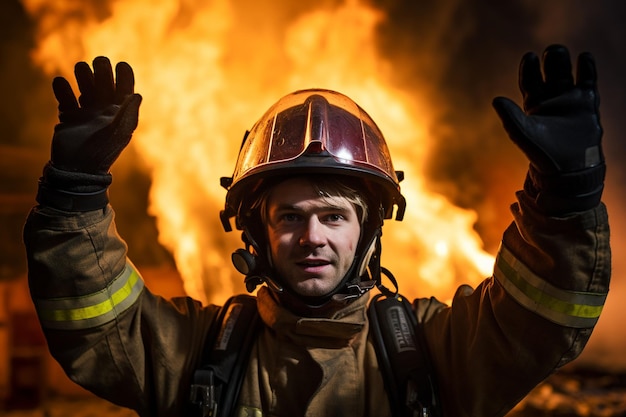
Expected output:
(535, 314)
(108, 332)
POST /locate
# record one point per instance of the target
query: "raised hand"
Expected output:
(94, 129)
(559, 130)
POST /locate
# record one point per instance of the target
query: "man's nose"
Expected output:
(313, 233)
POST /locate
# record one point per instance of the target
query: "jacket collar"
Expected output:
(337, 329)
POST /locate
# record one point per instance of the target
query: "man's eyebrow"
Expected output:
(285, 207)
(294, 207)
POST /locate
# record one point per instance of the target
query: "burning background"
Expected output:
(425, 71)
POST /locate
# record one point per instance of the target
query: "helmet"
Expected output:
(314, 132)
(311, 132)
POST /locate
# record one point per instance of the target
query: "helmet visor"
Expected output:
(311, 122)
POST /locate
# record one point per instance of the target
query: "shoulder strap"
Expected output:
(403, 357)
(216, 384)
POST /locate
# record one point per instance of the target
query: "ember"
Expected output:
(582, 393)
(565, 394)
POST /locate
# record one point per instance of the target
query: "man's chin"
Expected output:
(313, 287)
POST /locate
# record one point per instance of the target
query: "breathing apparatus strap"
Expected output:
(216, 384)
(403, 357)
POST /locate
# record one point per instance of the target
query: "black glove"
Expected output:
(559, 131)
(90, 136)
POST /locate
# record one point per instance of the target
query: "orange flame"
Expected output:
(207, 71)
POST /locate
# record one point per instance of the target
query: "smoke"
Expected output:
(483, 64)
(21, 83)
(475, 48)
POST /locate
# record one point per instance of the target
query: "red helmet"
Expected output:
(313, 131)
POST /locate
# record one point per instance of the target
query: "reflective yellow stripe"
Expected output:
(567, 308)
(243, 411)
(94, 309)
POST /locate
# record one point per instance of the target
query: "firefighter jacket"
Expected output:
(489, 348)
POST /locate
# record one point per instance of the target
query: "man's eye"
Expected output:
(334, 217)
(290, 217)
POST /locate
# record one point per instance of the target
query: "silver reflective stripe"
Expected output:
(93, 309)
(567, 308)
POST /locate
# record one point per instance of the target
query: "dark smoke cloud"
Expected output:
(474, 48)
(21, 84)
(27, 114)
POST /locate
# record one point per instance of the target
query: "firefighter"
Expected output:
(311, 188)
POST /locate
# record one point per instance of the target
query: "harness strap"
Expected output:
(217, 383)
(403, 357)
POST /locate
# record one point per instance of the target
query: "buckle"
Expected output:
(203, 396)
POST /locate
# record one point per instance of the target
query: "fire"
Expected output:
(207, 71)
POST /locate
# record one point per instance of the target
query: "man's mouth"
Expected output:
(312, 265)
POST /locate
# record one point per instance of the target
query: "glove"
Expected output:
(90, 136)
(559, 131)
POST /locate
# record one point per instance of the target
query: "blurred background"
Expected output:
(208, 70)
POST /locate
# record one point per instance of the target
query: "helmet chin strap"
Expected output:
(258, 270)
(352, 286)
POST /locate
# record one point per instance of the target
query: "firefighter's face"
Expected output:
(313, 239)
